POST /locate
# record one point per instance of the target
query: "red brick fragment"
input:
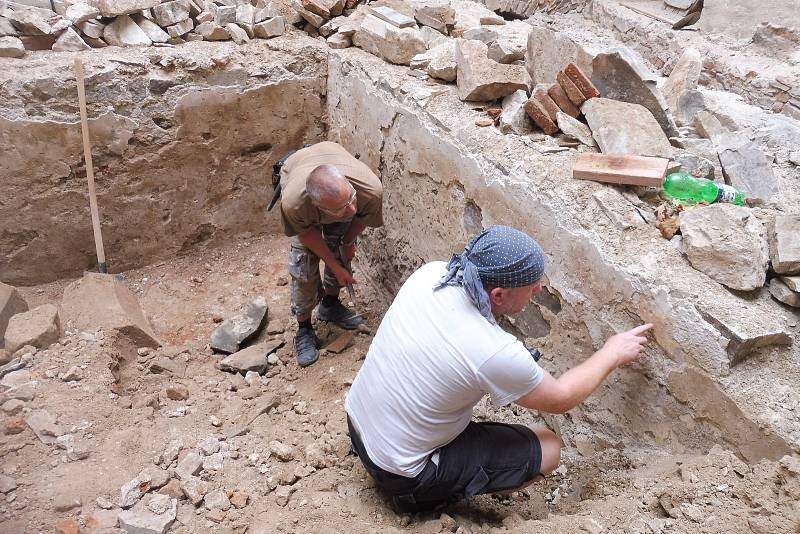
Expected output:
(67, 526)
(549, 105)
(562, 101)
(539, 116)
(581, 81)
(574, 94)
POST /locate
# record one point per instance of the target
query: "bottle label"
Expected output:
(725, 193)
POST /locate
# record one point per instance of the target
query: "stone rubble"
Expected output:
(480, 78)
(229, 336)
(785, 244)
(39, 327)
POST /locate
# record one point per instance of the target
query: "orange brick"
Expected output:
(574, 94)
(562, 101)
(540, 94)
(581, 81)
(539, 116)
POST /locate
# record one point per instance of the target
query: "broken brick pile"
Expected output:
(100, 23)
(571, 90)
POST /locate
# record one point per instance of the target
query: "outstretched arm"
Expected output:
(573, 387)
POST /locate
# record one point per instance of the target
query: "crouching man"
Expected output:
(328, 198)
(437, 352)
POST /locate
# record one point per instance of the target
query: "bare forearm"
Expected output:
(313, 240)
(580, 381)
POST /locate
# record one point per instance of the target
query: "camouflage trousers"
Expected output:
(308, 287)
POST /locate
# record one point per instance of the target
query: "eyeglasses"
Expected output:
(342, 209)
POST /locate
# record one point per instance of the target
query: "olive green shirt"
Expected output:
(298, 213)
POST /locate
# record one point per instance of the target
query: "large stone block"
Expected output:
(746, 167)
(113, 8)
(548, 52)
(681, 81)
(438, 14)
(39, 327)
(396, 45)
(784, 245)
(124, 32)
(624, 128)
(170, 13)
(480, 78)
(11, 303)
(744, 331)
(728, 243)
(236, 331)
(100, 301)
(619, 76)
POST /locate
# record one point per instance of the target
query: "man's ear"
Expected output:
(496, 296)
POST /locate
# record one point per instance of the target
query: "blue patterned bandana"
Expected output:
(497, 257)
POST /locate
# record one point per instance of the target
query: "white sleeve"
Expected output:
(509, 374)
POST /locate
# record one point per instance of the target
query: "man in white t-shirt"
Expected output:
(437, 352)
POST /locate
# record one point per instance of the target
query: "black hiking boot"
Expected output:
(339, 315)
(305, 347)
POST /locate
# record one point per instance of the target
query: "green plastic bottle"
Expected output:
(687, 188)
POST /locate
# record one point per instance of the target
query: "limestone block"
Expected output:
(181, 28)
(270, 28)
(99, 301)
(113, 8)
(785, 244)
(504, 52)
(480, 33)
(11, 303)
(792, 282)
(151, 29)
(92, 28)
(223, 14)
(744, 331)
(245, 14)
(697, 166)
(431, 36)
(746, 167)
(312, 18)
(170, 13)
(81, 12)
(142, 520)
(394, 18)
(575, 129)
(238, 35)
(338, 41)
(39, 327)
(437, 14)
(703, 149)
(480, 78)
(781, 292)
(439, 62)
(513, 119)
(684, 77)
(123, 31)
(69, 41)
(618, 76)
(253, 358)
(520, 8)
(624, 128)
(6, 28)
(395, 45)
(31, 20)
(211, 31)
(728, 243)
(547, 52)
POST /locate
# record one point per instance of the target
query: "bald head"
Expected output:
(326, 183)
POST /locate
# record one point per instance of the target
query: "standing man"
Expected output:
(437, 352)
(328, 198)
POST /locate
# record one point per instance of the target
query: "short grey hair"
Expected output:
(323, 182)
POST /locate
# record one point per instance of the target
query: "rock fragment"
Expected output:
(437, 14)
(272, 27)
(234, 332)
(781, 292)
(69, 41)
(44, 426)
(151, 29)
(746, 167)
(481, 79)
(727, 243)
(624, 128)
(239, 499)
(744, 333)
(785, 244)
(238, 35)
(113, 8)
(393, 17)
(189, 466)
(81, 12)
(282, 452)
(194, 489)
(395, 45)
(39, 327)
(132, 491)
(7, 484)
(253, 358)
(142, 520)
(218, 500)
(575, 129)
(11, 46)
(211, 31)
(682, 80)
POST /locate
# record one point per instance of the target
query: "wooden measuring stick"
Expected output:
(87, 154)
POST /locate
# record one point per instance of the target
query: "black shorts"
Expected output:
(484, 458)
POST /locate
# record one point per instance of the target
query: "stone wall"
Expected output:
(183, 144)
(444, 179)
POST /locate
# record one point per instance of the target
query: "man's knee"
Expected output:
(551, 450)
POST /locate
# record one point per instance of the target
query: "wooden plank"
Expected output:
(621, 169)
(647, 13)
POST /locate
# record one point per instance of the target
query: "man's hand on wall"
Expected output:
(627, 346)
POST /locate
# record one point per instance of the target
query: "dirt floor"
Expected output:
(121, 419)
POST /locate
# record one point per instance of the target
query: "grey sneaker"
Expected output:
(339, 315)
(305, 347)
